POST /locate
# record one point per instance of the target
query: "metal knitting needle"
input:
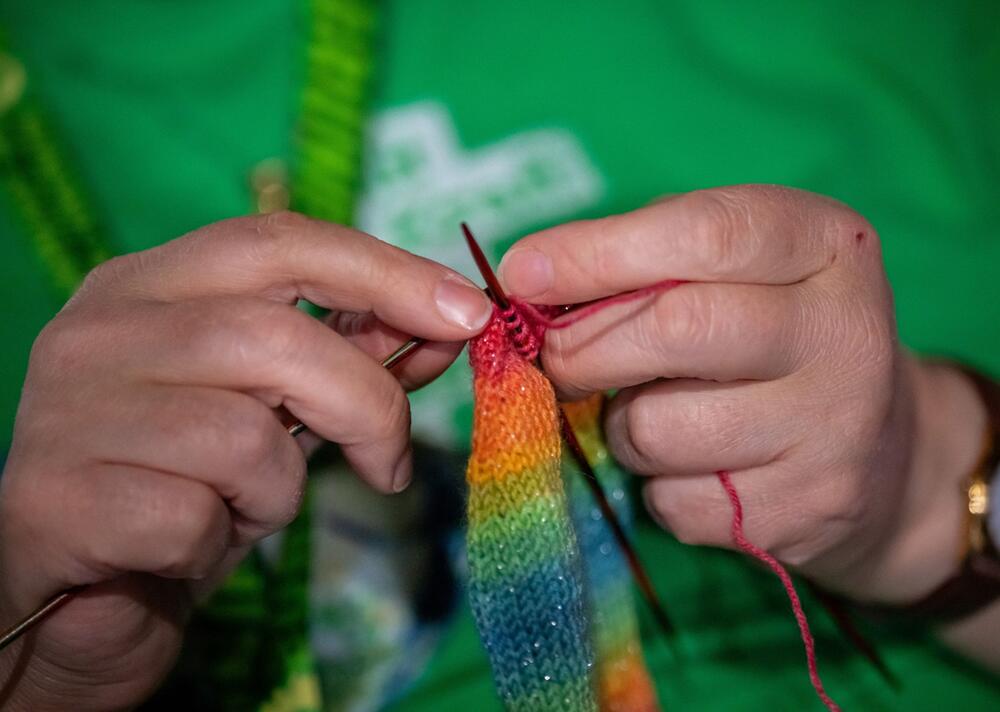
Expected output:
(389, 362)
(294, 427)
(29, 621)
(495, 290)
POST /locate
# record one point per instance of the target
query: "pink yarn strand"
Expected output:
(529, 323)
(748, 547)
(566, 319)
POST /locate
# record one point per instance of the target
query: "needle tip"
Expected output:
(489, 276)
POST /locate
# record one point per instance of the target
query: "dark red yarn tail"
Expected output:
(748, 547)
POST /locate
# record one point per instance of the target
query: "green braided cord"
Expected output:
(327, 169)
(47, 194)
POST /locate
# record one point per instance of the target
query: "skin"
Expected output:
(147, 458)
(779, 362)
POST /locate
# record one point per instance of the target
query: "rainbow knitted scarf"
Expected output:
(549, 587)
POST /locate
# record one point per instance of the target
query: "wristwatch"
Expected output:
(977, 582)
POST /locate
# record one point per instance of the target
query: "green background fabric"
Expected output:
(891, 107)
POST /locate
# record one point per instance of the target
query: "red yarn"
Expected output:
(528, 324)
(748, 547)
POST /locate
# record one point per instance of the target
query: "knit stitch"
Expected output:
(623, 683)
(525, 576)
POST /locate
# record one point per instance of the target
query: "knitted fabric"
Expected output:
(524, 546)
(525, 580)
(623, 683)
(551, 591)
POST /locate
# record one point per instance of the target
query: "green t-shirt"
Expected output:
(518, 115)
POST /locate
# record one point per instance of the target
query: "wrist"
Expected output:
(927, 544)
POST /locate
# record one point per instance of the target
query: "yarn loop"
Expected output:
(548, 585)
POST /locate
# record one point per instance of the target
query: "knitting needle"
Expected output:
(389, 362)
(29, 621)
(294, 426)
(496, 292)
(641, 577)
(493, 288)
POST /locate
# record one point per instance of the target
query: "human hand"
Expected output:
(146, 457)
(777, 361)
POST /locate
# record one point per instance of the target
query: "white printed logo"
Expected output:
(421, 183)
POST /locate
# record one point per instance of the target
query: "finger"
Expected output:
(94, 523)
(755, 234)
(285, 256)
(379, 340)
(227, 440)
(200, 590)
(689, 427)
(694, 509)
(719, 332)
(144, 610)
(781, 509)
(281, 356)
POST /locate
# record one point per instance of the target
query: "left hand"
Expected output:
(778, 361)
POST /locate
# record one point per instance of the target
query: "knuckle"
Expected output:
(600, 259)
(250, 436)
(645, 433)
(198, 537)
(846, 226)
(258, 447)
(720, 423)
(681, 418)
(62, 344)
(722, 233)
(279, 226)
(684, 318)
(106, 274)
(254, 335)
(273, 234)
(279, 331)
(55, 340)
(392, 416)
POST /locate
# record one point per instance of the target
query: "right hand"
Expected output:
(146, 457)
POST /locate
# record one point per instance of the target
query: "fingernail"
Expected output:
(527, 273)
(403, 473)
(462, 304)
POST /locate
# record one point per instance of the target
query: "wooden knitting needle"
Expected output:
(495, 290)
(609, 514)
